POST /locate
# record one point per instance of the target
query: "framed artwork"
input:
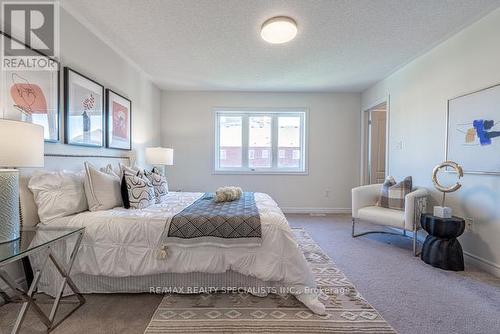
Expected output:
(84, 110)
(473, 131)
(32, 96)
(118, 121)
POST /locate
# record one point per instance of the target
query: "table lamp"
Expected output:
(21, 145)
(160, 156)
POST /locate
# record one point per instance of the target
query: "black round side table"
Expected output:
(441, 248)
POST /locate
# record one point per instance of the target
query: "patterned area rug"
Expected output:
(347, 311)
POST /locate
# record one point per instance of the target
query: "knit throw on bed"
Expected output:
(208, 223)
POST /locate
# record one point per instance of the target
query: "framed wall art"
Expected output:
(32, 95)
(473, 131)
(84, 110)
(118, 121)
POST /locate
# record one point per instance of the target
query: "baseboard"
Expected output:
(483, 264)
(315, 210)
(471, 259)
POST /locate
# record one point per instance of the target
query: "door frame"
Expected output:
(364, 176)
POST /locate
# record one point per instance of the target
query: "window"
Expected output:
(260, 141)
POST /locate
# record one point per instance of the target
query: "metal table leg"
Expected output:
(27, 296)
(66, 280)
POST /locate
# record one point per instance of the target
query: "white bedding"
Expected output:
(121, 242)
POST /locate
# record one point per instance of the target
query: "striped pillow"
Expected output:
(392, 194)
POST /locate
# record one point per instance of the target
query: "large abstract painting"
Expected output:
(474, 131)
(84, 110)
(32, 96)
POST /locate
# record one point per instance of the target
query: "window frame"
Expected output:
(246, 113)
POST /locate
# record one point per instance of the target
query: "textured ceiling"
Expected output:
(342, 45)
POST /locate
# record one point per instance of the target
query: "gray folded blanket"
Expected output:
(210, 223)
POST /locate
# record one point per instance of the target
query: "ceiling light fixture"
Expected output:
(278, 30)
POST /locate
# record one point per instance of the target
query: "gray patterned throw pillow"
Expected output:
(159, 183)
(392, 194)
(140, 191)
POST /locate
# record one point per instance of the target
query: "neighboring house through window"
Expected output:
(260, 141)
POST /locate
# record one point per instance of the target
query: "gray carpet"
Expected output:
(412, 296)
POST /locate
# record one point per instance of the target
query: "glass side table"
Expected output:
(40, 241)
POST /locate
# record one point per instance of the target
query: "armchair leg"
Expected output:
(415, 253)
(353, 222)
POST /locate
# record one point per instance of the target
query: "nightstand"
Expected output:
(441, 248)
(40, 241)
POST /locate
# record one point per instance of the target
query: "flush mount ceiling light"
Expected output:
(278, 30)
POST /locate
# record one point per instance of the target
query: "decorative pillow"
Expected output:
(392, 194)
(58, 194)
(141, 193)
(159, 183)
(102, 189)
(110, 170)
(131, 170)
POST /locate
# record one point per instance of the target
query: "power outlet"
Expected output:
(469, 224)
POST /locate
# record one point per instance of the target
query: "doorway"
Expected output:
(375, 130)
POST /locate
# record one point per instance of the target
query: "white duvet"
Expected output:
(121, 242)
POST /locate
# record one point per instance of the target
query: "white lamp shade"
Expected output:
(160, 156)
(21, 144)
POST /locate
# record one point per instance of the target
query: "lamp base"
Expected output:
(9, 205)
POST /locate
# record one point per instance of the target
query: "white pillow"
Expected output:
(102, 189)
(130, 170)
(110, 170)
(58, 194)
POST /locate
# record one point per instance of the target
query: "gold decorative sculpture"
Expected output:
(443, 211)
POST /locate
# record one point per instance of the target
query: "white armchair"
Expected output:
(364, 207)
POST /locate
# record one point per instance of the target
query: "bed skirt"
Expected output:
(187, 283)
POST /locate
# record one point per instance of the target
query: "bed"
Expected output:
(121, 247)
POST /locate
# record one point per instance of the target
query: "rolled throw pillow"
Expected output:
(141, 193)
(392, 194)
(228, 194)
(159, 183)
(58, 194)
(101, 189)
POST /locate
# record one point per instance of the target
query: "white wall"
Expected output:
(418, 102)
(84, 52)
(187, 125)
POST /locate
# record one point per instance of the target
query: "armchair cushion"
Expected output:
(383, 216)
(364, 196)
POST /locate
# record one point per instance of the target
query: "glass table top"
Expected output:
(33, 238)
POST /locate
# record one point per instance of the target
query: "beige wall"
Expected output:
(187, 125)
(418, 102)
